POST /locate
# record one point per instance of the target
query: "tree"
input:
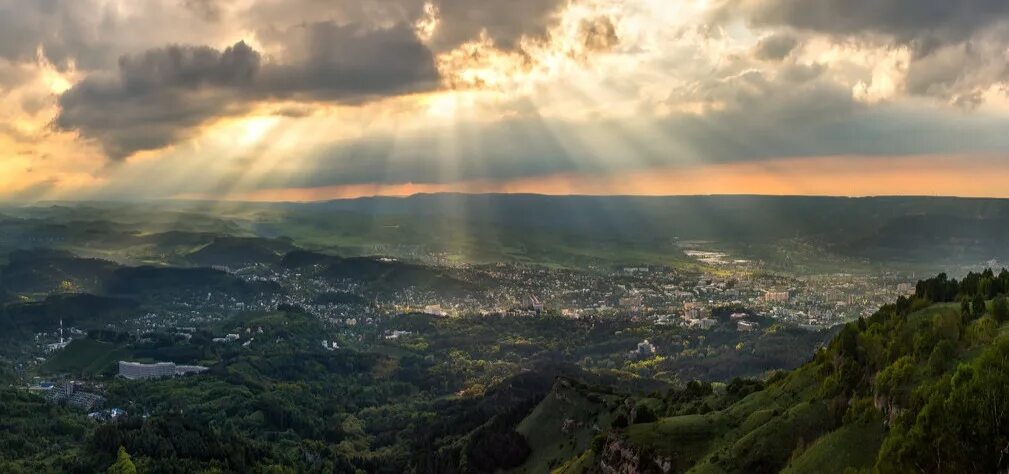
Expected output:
(978, 305)
(941, 357)
(965, 311)
(643, 414)
(123, 464)
(1000, 309)
(960, 425)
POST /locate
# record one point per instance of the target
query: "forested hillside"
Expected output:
(920, 386)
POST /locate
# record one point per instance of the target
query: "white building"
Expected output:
(704, 323)
(136, 370)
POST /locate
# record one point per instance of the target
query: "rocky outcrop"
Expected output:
(619, 456)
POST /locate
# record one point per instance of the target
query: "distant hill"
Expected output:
(149, 280)
(72, 309)
(378, 274)
(44, 270)
(239, 251)
(934, 237)
(793, 233)
(935, 231)
(48, 271)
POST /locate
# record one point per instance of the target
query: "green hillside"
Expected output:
(564, 423)
(920, 386)
(853, 446)
(86, 356)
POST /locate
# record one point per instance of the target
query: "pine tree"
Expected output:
(123, 464)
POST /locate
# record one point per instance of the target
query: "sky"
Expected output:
(324, 99)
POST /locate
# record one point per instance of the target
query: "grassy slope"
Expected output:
(691, 436)
(85, 356)
(543, 427)
(853, 446)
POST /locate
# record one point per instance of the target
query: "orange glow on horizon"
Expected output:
(967, 176)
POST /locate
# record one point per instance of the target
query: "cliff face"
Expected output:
(621, 457)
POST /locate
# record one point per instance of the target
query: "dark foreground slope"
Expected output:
(921, 386)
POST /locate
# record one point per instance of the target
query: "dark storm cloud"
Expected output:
(775, 47)
(158, 97)
(925, 22)
(155, 97)
(342, 50)
(346, 62)
(504, 22)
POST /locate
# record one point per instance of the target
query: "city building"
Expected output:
(776, 296)
(704, 323)
(692, 312)
(59, 393)
(632, 302)
(85, 401)
(434, 310)
(136, 370)
(644, 350)
(746, 326)
(535, 304)
(189, 369)
(70, 393)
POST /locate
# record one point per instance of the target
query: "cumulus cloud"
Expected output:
(144, 86)
(603, 84)
(957, 47)
(92, 34)
(60, 28)
(160, 96)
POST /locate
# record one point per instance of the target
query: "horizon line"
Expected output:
(500, 194)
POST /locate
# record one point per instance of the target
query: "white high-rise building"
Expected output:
(136, 370)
